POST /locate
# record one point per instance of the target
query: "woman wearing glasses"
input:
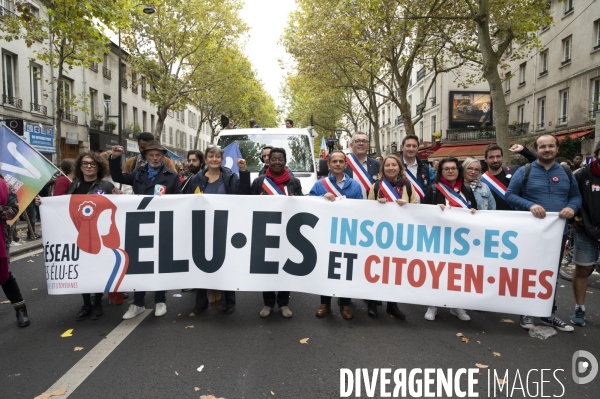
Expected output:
(449, 189)
(483, 195)
(217, 179)
(90, 170)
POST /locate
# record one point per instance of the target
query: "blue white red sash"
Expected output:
(388, 191)
(494, 184)
(360, 173)
(332, 187)
(452, 195)
(270, 187)
(416, 184)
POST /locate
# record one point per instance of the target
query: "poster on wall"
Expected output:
(470, 109)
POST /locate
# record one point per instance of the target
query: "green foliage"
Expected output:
(568, 147)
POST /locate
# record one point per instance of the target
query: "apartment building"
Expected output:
(28, 101)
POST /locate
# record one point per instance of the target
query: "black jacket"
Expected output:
(294, 187)
(433, 196)
(422, 172)
(589, 187)
(233, 184)
(373, 167)
(140, 182)
(98, 184)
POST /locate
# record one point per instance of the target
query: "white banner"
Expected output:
(493, 260)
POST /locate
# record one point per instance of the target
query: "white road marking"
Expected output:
(83, 368)
(27, 255)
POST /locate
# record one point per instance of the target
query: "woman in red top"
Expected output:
(67, 166)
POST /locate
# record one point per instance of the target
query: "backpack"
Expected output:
(568, 171)
(408, 190)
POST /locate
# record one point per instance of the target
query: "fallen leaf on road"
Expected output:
(186, 327)
(459, 334)
(34, 289)
(196, 389)
(506, 321)
(179, 314)
(482, 366)
(78, 348)
(30, 261)
(46, 395)
(479, 342)
(5, 302)
(176, 373)
(200, 368)
(68, 333)
(496, 354)
(501, 381)
(465, 340)
(192, 314)
(272, 393)
(589, 292)
(304, 341)
(209, 397)
(174, 321)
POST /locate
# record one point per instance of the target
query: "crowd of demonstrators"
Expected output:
(155, 178)
(449, 190)
(483, 195)
(139, 160)
(394, 186)
(587, 232)
(577, 162)
(8, 210)
(217, 179)
(540, 187)
(337, 184)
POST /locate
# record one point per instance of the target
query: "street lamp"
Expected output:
(148, 10)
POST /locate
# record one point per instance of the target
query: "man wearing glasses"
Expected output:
(360, 167)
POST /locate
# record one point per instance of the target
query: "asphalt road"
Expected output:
(245, 356)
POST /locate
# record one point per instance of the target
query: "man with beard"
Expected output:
(195, 164)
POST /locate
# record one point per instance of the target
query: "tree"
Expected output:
(177, 44)
(74, 33)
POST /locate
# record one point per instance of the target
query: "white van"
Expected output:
(297, 143)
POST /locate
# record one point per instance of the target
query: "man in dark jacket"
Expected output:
(154, 178)
(417, 170)
(195, 165)
(360, 167)
(587, 233)
(276, 181)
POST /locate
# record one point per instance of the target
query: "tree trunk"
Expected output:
(212, 133)
(162, 117)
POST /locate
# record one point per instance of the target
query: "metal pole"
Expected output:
(119, 109)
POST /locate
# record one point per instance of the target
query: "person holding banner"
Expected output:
(360, 167)
(449, 190)
(217, 179)
(336, 185)
(154, 178)
(8, 211)
(417, 171)
(394, 186)
(276, 181)
(483, 196)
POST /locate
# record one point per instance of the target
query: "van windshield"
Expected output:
(297, 149)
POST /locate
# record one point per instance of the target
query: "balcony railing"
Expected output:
(144, 93)
(541, 125)
(594, 114)
(5, 12)
(106, 72)
(124, 83)
(69, 117)
(15, 102)
(42, 109)
(420, 107)
(421, 74)
(94, 66)
(134, 88)
(488, 133)
(399, 120)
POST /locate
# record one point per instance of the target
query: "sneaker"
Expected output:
(97, 312)
(526, 322)
(161, 309)
(556, 322)
(460, 313)
(83, 313)
(266, 311)
(286, 312)
(431, 312)
(133, 311)
(578, 318)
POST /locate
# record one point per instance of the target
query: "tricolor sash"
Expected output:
(452, 196)
(416, 184)
(495, 185)
(332, 187)
(388, 191)
(270, 187)
(360, 173)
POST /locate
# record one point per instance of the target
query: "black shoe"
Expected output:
(229, 309)
(392, 309)
(372, 309)
(96, 312)
(199, 309)
(22, 317)
(83, 313)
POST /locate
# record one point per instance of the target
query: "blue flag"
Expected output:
(231, 153)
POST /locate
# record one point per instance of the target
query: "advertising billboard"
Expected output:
(470, 109)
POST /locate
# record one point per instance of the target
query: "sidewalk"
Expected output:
(24, 245)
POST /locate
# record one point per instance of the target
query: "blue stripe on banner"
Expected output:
(113, 274)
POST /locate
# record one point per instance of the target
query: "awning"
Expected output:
(461, 152)
(425, 153)
(574, 135)
(171, 154)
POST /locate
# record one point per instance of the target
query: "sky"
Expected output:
(266, 20)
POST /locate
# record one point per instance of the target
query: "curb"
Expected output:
(21, 249)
